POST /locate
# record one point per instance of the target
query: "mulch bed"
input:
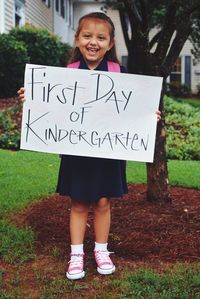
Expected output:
(141, 231)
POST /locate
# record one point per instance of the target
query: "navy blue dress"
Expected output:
(88, 179)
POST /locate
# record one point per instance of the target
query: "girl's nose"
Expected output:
(93, 41)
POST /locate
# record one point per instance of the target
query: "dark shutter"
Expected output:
(188, 71)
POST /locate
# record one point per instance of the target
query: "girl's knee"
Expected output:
(78, 207)
(102, 205)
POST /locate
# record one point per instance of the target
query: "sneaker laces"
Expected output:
(76, 260)
(102, 256)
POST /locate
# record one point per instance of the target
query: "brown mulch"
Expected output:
(141, 231)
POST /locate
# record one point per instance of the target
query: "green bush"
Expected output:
(43, 47)
(27, 45)
(183, 130)
(182, 90)
(10, 123)
(13, 56)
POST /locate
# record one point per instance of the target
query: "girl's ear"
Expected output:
(112, 42)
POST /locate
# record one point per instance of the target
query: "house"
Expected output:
(61, 17)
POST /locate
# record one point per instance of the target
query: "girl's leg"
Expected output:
(102, 219)
(78, 221)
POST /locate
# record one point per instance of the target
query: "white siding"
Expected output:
(82, 8)
(63, 26)
(119, 38)
(2, 12)
(39, 14)
(8, 15)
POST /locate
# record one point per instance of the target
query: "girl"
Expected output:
(91, 181)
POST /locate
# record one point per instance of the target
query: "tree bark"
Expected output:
(157, 172)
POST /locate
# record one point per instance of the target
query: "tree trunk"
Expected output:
(157, 172)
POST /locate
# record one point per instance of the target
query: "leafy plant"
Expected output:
(13, 56)
(10, 121)
(43, 47)
(23, 45)
(183, 130)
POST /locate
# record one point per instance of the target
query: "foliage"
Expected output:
(27, 45)
(13, 56)
(178, 91)
(10, 127)
(43, 47)
(183, 130)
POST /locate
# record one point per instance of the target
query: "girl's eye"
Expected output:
(101, 38)
(86, 35)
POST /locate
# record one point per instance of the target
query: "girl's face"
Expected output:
(94, 41)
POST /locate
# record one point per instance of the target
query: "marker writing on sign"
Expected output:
(105, 90)
(109, 140)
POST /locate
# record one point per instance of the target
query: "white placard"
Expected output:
(90, 113)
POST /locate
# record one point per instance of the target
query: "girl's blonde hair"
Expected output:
(111, 54)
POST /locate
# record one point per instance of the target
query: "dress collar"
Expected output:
(102, 65)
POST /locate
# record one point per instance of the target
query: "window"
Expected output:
(57, 5)
(47, 2)
(19, 18)
(175, 76)
(62, 8)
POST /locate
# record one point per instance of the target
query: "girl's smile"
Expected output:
(94, 41)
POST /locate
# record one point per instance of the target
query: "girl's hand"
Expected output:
(21, 94)
(158, 113)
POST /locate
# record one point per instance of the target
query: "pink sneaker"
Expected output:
(104, 264)
(75, 270)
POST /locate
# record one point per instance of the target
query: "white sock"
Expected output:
(77, 249)
(100, 246)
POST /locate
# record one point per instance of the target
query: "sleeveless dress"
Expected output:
(88, 179)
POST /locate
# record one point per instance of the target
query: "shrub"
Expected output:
(182, 90)
(183, 130)
(10, 123)
(43, 47)
(27, 45)
(13, 56)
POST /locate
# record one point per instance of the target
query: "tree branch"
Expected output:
(175, 49)
(155, 39)
(124, 27)
(167, 31)
(144, 14)
(133, 13)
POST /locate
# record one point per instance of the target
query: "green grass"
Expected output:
(181, 173)
(25, 176)
(181, 283)
(16, 245)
